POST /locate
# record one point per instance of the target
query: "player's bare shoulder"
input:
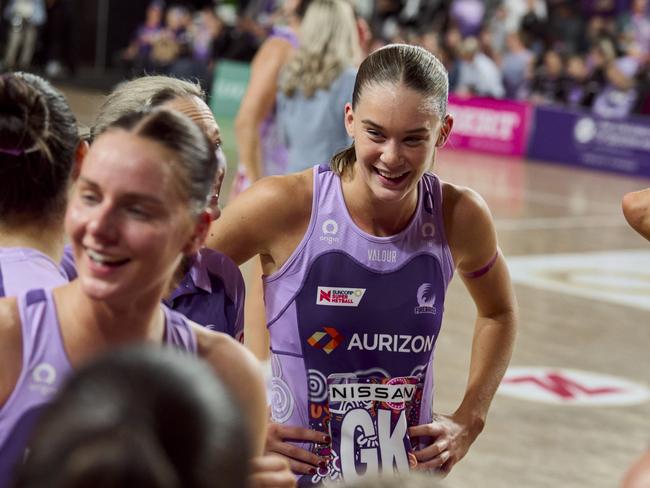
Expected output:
(10, 346)
(467, 217)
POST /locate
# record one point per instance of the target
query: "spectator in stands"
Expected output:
(468, 16)
(635, 23)
(173, 42)
(618, 96)
(317, 82)
(566, 28)
(549, 83)
(580, 91)
(141, 416)
(515, 66)
(478, 74)
(138, 53)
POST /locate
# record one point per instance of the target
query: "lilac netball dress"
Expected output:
(24, 268)
(353, 320)
(46, 366)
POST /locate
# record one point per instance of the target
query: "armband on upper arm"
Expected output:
(481, 271)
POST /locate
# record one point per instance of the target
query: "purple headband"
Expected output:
(12, 152)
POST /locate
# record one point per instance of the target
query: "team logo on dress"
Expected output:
(428, 230)
(330, 229)
(339, 297)
(43, 379)
(426, 299)
(327, 341)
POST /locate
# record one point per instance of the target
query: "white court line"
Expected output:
(543, 223)
(569, 201)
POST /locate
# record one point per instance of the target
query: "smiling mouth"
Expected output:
(105, 260)
(391, 178)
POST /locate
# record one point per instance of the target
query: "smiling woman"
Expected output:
(139, 207)
(357, 257)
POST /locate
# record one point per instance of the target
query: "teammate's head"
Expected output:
(164, 91)
(38, 143)
(394, 66)
(139, 204)
(329, 42)
(141, 416)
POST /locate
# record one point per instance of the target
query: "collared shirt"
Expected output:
(212, 294)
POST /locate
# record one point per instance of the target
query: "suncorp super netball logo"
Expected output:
(339, 297)
(426, 297)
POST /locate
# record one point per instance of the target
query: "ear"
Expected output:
(79, 155)
(445, 130)
(349, 120)
(200, 233)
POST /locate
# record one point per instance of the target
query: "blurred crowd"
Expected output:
(589, 54)
(583, 54)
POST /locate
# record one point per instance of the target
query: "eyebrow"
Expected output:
(125, 196)
(409, 131)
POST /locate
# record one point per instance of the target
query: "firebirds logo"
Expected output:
(339, 297)
(327, 341)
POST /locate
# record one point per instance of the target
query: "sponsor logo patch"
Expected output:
(339, 297)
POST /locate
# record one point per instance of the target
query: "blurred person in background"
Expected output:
(140, 416)
(618, 95)
(478, 75)
(138, 53)
(25, 18)
(549, 83)
(516, 64)
(317, 82)
(39, 147)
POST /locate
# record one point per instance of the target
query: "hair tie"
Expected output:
(12, 152)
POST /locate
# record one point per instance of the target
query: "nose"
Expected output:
(102, 225)
(391, 153)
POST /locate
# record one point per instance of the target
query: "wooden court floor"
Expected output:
(582, 279)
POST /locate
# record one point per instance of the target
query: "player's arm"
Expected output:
(257, 103)
(472, 239)
(268, 219)
(10, 347)
(636, 208)
(242, 374)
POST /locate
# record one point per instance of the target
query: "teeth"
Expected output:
(101, 258)
(391, 176)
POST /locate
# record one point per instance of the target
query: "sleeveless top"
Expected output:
(274, 152)
(24, 268)
(353, 320)
(45, 368)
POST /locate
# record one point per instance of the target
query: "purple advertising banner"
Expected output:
(489, 125)
(586, 140)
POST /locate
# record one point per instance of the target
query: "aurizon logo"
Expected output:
(327, 341)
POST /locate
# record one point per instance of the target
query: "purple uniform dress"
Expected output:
(353, 320)
(212, 294)
(24, 268)
(46, 366)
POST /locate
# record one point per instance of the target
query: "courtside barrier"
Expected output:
(586, 140)
(490, 126)
(228, 87)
